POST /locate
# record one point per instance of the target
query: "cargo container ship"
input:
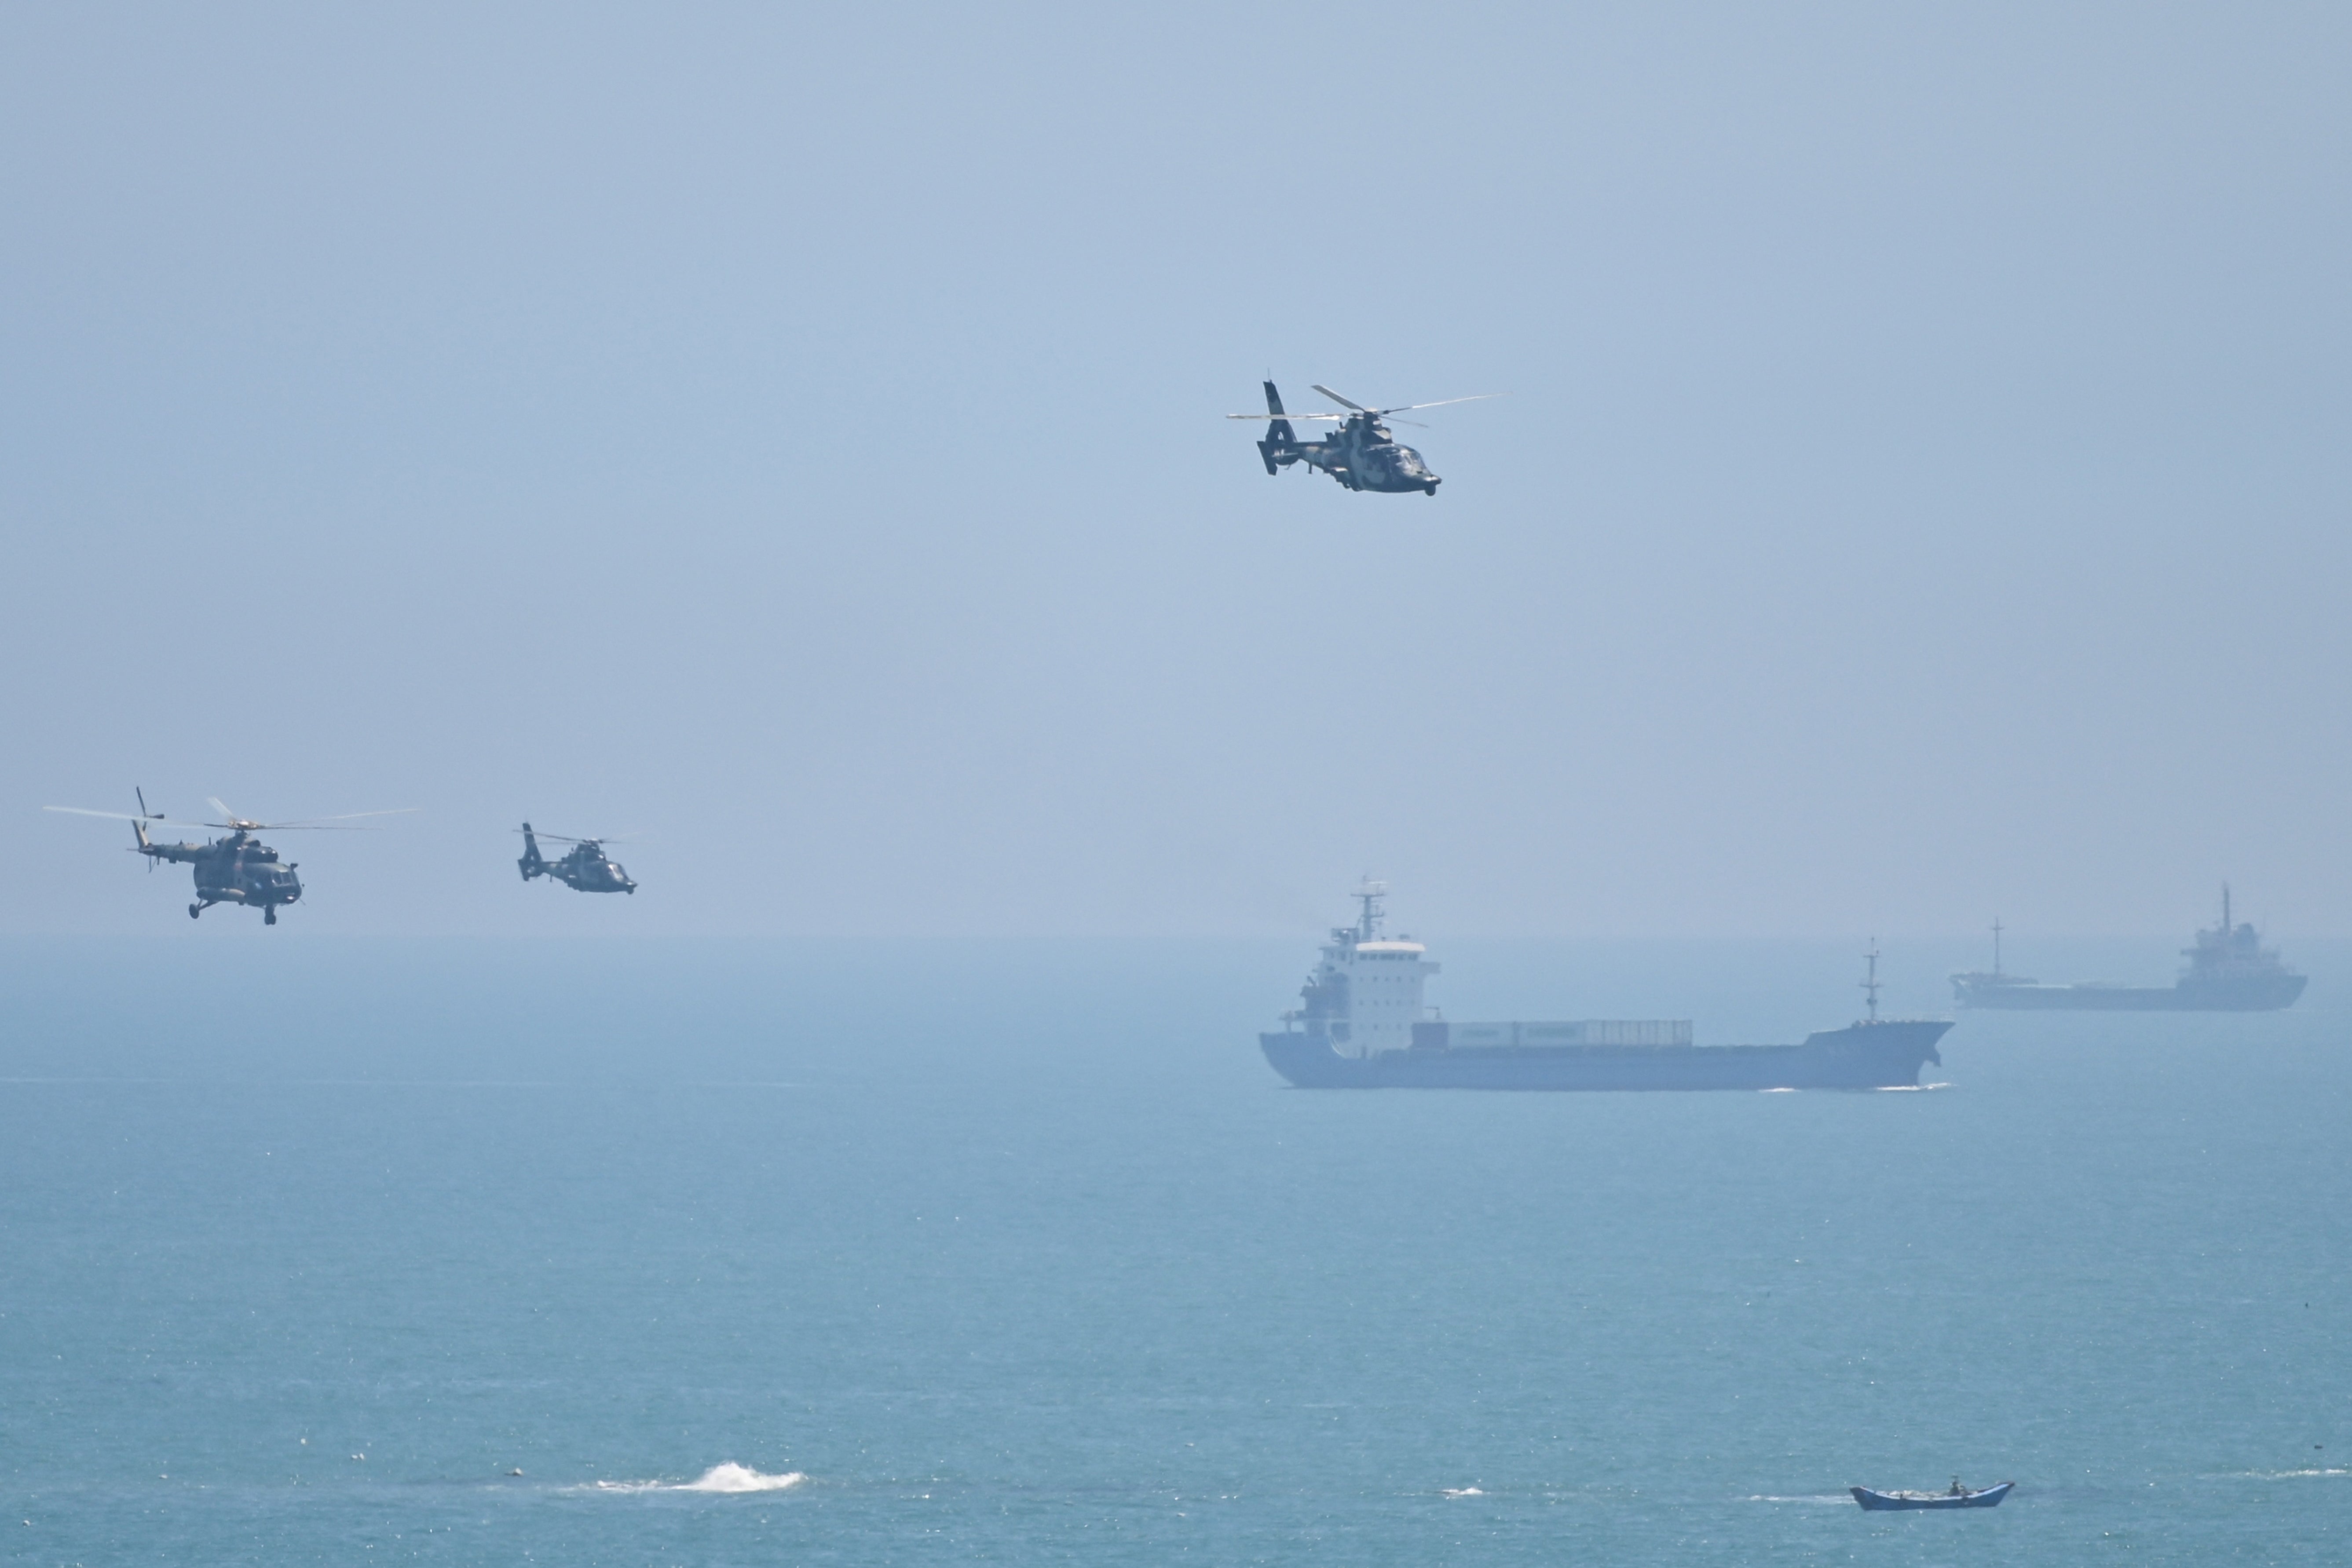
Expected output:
(1363, 1025)
(2229, 971)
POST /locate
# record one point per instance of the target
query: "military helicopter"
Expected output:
(1360, 453)
(585, 867)
(237, 870)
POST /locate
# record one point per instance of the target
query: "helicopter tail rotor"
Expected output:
(1281, 442)
(532, 863)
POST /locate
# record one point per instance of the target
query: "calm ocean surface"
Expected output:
(1018, 1253)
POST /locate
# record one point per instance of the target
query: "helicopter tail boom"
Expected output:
(178, 854)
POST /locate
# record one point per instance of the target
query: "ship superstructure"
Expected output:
(1363, 1023)
(1365, 993)
(2229, 971)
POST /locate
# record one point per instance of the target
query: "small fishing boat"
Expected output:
(1958, 1496)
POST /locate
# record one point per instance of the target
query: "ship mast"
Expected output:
(1369, 895)
(1870, 984)
(1996, 947)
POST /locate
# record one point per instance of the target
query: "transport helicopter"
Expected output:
(585, 867)
(1361, 454)
(237, 870)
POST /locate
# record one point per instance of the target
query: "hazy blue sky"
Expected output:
(1922, 492)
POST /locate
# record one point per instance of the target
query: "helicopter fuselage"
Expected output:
(586, 870)
(238, 870)
(1363, 455)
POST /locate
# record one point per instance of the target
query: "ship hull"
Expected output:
(1988, 1498)
(1866, 1055)
(2267, 994)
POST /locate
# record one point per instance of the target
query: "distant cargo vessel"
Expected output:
(1363, 1026)
(2229, 971)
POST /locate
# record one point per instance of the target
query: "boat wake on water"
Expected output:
(728, 1478)
(1875, 1089)
(1761, 1496)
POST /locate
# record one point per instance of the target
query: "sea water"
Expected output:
(319, 1251)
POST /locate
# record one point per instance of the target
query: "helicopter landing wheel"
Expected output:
(195, 909)
(269, 917)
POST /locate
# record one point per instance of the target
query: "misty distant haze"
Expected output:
(1922, 493)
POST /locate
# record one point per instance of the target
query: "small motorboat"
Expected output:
(1958, 1496)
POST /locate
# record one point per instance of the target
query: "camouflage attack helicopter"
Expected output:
(585, 867)
(1360, 453)
(237, 870)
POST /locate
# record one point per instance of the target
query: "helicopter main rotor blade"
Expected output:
(1408, 407)
(340, 816)
(1342, 418)
(567, 838)
(125, 817)
(341, 823)
(1342, 402)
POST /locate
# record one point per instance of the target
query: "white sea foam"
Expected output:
(1823, 1497)
(734, 1478)
(2283, 1475)
(730, 1478)
(1462, 1491)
